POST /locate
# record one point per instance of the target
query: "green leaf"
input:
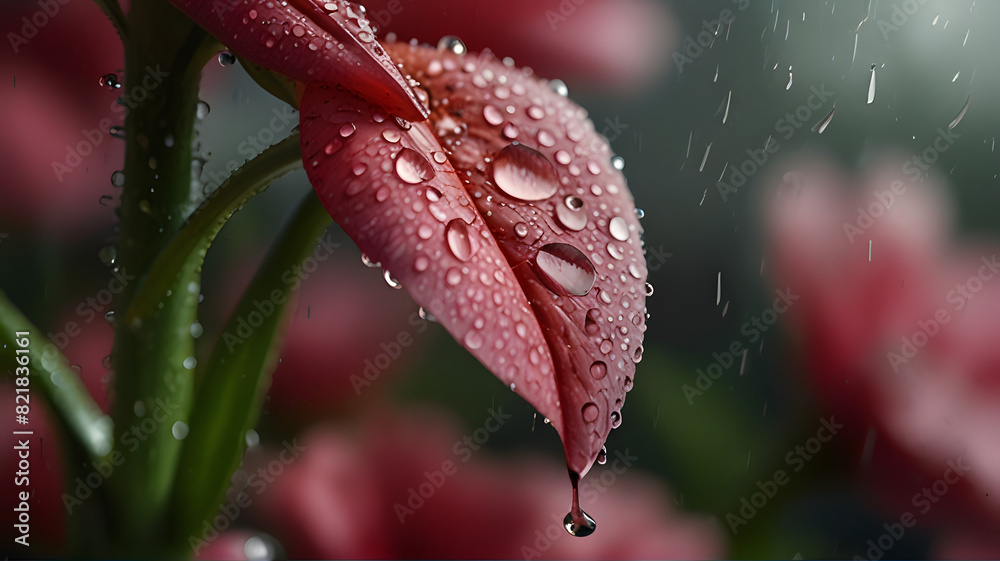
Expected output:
(61, 386)
(192, 242)
(237, 376)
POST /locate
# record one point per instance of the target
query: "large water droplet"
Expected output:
(462, 245)
(525, 173)
(577, 522)
(452, 44)
(564, 269)
(413, 168)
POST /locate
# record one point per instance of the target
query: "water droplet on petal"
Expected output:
(598, 370)
(602, 456)
(347, 129)
(590, 412)
(649, 289)
(616, 419)
(521, 229)
(571, 214)
(413, 168)
(524, 173)
(492, 115)
(421, 263)
(452, 44)
(564, 269)
(536, 112)
(618, 228)
(590, 324)
(333, 146)
(473, 340)
(118, 178)
(559, 87)
(453, 276)
(462, 245)
(618, 163)
(117, 131)
(390, 136)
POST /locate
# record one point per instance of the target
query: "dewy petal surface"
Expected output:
(540, 206)
(330, 41)
(390, 186)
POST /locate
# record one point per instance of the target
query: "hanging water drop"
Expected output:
(577, 522)
(368, 262)
(391, 281)
(227, 58)
(602, 456)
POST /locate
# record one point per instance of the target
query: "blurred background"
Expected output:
(820, 377)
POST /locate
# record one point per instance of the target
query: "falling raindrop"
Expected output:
(821, 125)
(452, 44)
(577, 522)
(961, 114)
(564, 269)
(705, 157)
(788, 86)
(871, 86)
(524, 173)
(227, 58)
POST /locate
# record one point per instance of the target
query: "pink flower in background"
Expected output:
(620, 45)
(898, 329)
(58, 153)
(412, 486)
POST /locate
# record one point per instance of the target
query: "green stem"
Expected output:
(60, 385)
(237, 377)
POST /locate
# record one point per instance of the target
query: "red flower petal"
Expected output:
(553, 213)
(309, 41)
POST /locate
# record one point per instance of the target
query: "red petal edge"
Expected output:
(329, 41)
(504, 216)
